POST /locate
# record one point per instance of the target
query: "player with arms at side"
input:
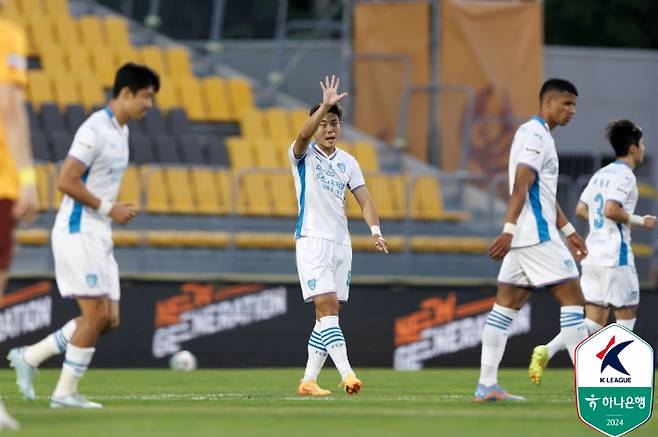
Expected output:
(323, 247)
(530, 246)
(18, 195)
(85, 267)
(609, 278)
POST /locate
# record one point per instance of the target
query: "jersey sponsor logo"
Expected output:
(26, 310)
(202, 309)
(442, 327)
(311, 284)
(341, 167)
(533, 150)
(92, 279)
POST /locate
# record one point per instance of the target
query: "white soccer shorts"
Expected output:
(323, 266)
(85, 266)
(611, 286)
(538, 266)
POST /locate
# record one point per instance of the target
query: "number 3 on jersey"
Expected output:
(598, 221)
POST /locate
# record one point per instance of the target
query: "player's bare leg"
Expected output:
(626, 316)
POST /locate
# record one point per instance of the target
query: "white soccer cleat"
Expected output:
(75, 400)
(6, 421)
(24, 372)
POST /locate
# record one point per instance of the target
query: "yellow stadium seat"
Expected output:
(463, 245)
(365, 243)
(180, 191)
(205, 191)
(39, 89)
(33, 237)
(66, 30)
(123, 55)
(78, 61)
(178, 62)
(427, 202)
(366, 155)
(399, 195)
(214, 91)
(251, 124)
(265, 153)
(124, 238)
(45, 183)
(189, 92)
(10, 11)
(379, 187)
(52, 58)
(225, 190)
(253, 195)
(167, 98)
(277, 124)
(642, 250)
(282, 187)
(216, 240)
(240, 153)
(352, 207)
(91, 93)
(241, 96)
(104, 67)
(157, 199)
(91, 31)
(152, 57)
(131, 187)
(117, 33)
(31, 8)
(56, 8)
(66, 92)
(264, 240)
(297, 118)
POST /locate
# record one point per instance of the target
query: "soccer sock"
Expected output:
(76, 361)
(494, 339)
(572, 327)
(557, 344)
(54, 344)
(333, 339)
(317, 354)
(627, 323)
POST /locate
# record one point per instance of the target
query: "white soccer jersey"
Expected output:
(102, 145)
(533, 146)
(609, 242)
(320, 182)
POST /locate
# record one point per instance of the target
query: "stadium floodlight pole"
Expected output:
(214, 44)
(434, 143)
(275, 76)
(346, 53)
(152, 19)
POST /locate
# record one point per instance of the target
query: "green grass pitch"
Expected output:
(263, 402)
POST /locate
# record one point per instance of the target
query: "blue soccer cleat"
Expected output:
(494, 393)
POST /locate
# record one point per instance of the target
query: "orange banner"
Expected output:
(495, 48)
(391, 43)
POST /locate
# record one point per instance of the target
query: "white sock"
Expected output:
(494, 339)
(334, 342)
(557, 344)
(572, 327)
(627, 323)
(54, 344)
(317, 354)
(75, 365)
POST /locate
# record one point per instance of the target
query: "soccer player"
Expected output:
(323, 247)
(530, 246)
(609, 278)
(18, 195)
(85, 267)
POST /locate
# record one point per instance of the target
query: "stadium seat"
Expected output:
(75, 116)
(117, 33)
(124, 238)
(166, 149)
(427, 201)
(379, 186)
(157, 199)
(366, 155)
(240, 96)
(277, 123)
(151, 56)
(52, 118)
(191, 149)
(641, 250)
(131, 187)
(66, 92)
(217, 153)
(204, 190)
(215, 240)
(399, 186)
(251, 124)
(103, 65)
(91, 93)
(178, 62)
(364, 243)
(40, 148)
(33, 237)
(240, 153)
(167, 98)
(189, 93)
(179, 184)
(264, 240)
(179, 122)
(66, 30)
(154, 122)
(45, 183)
(11, 12)
(225, 190)
(282, 187)
(56, 8)
(265, 153)
(214, 90)
(123, 55)
(91, 32)
(254, 195)
(297, 119)
(78, 62)
(39, 89)
(52, 58)
(61, 141)
(141, 148)
(352, 208)
(461, 245)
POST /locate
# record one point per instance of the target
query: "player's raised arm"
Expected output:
(369, 210)
(330, 97)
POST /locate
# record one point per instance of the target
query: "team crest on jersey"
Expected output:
(341, 167)
(92, 279)
(568, 263)
(311, 284)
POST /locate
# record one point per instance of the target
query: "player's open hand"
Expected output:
(649, 222)
(500, 246)
(577, 246)
(122, 213)
(380, 243)
(330, 94)
(25, 210)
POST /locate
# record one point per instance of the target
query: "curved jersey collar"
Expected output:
(541, 121)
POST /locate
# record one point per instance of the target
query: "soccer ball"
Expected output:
(182, 360)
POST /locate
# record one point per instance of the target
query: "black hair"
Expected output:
(560, 85)
(335, 109)
(622, 134)
(135, 77)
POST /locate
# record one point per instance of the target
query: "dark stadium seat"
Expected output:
(217, 152)
(179, 122)
(141, 149)
(75, 116)
(166, 149)
(40, 147)
(191, 149)
(154, 123)
(52, 118)
(61, 141)
(35, 123)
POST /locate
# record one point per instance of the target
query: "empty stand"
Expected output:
(166, 149)
(141, 148)
(178, 62)
(216, 98)
(179, 185)
(189, 92)
(240, 96)
(131, 187)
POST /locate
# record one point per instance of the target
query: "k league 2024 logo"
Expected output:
(614, 371)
